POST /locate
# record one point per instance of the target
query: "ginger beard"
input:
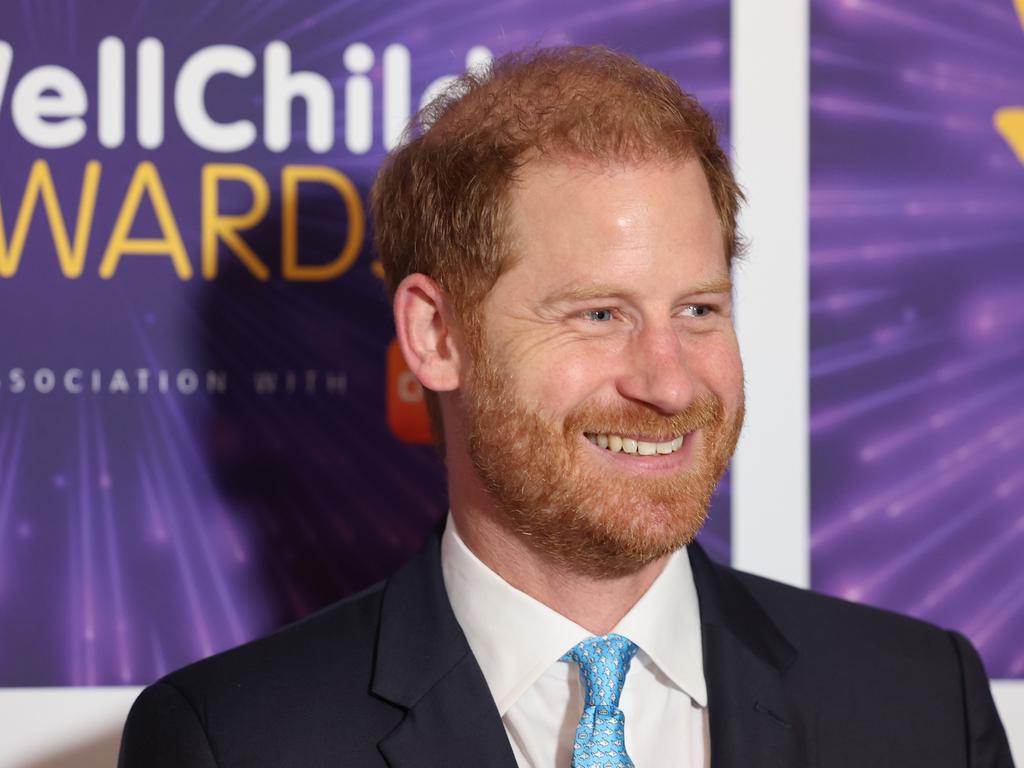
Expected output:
(566, 505)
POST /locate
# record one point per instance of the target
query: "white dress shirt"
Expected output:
(518, 642)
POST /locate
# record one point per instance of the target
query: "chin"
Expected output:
(615, 541)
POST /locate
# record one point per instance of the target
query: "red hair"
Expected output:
(439, 201)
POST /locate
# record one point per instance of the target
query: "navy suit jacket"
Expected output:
(386, 678)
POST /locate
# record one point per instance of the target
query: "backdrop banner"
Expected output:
(917, 313)
(205, 429)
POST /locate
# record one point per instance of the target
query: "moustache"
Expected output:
(636, 419)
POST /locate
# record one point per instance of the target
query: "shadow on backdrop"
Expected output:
(328, 500)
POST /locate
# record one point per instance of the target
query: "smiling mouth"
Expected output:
(617, 444)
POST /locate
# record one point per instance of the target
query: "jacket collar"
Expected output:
(753, 718)
(424, 665)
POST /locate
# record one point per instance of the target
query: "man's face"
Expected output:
(605, 395)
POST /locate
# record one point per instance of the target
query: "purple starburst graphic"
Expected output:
(189, 463)
(917, 327)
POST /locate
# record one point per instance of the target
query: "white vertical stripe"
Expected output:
(1009, 696)
(62, 727)
(770, 479)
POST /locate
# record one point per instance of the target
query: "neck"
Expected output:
(595, 604)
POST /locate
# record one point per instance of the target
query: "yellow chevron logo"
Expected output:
(1009, 121)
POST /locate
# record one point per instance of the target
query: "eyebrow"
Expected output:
(588, 292)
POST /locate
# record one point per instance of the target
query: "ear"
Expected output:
(424, 323)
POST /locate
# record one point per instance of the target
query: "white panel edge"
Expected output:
(62, 727)
(1009, 696)
(770, 475)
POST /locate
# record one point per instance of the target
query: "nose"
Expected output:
(656, 371)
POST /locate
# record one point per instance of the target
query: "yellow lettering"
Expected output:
(291, 177)
(217, 226)
(145, 180)
(40, 182)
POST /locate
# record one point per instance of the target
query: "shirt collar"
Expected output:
(516, 638)
(665, 623)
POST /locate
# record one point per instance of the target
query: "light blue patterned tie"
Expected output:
(600, 737)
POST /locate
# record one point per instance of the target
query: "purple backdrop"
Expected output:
(142, 530)
(917, 315)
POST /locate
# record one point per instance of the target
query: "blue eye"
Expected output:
(698, 310)
(598, 315)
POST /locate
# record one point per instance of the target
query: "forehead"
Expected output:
(650, 227)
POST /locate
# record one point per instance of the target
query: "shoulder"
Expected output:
(860, 646)
(334, 643)
(860, 664)
(819, 628)
(269, 700)
(878, 659)
(810, 618)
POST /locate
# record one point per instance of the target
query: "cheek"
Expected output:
(559, 382)
(718, 368)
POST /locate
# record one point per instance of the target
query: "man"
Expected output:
(558, 241)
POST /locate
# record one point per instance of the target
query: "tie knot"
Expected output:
(604, 662)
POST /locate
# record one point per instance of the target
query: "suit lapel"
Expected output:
(753, 719)
(424, 665)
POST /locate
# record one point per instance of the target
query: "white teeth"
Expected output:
(617, 443)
